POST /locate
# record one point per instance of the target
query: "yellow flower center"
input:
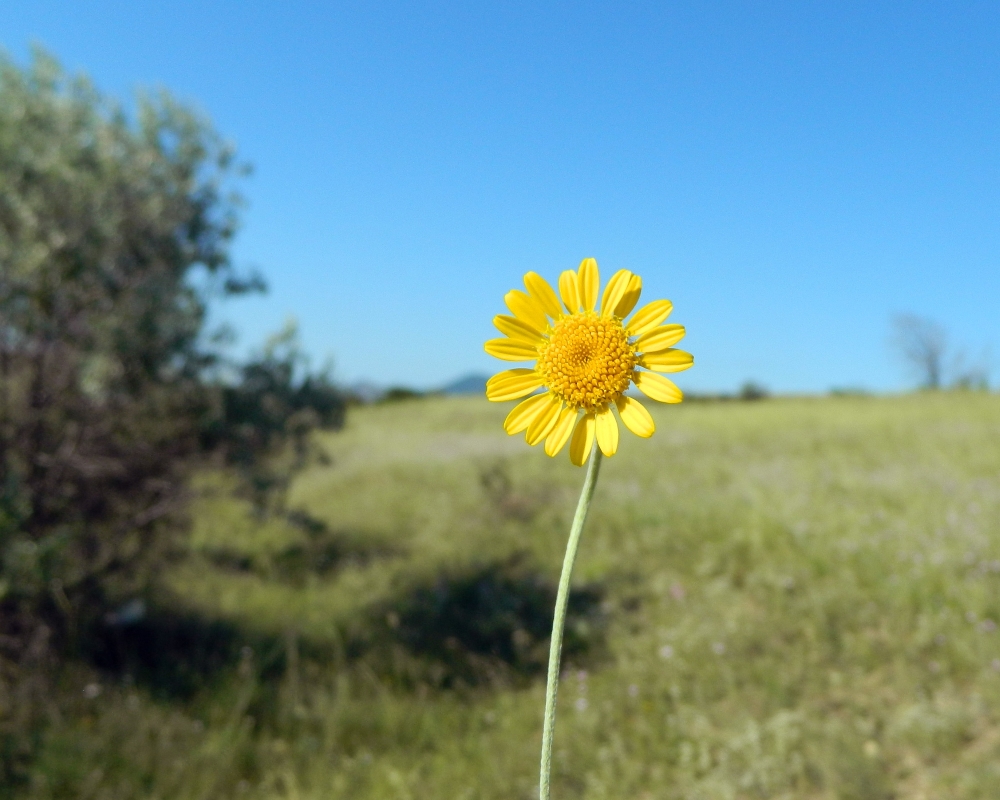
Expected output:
(588, 360)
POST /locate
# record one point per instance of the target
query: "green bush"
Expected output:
(114, 234)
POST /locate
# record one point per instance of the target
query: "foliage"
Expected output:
(753, 391)
(101, 394)
(396, 394)
(101, 225)
(114, 234)
(276, 401)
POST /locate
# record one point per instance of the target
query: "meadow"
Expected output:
(787, 598)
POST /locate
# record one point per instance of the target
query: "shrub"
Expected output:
(114, 234)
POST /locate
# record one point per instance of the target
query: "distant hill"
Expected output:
(368, 392)
(468, 384)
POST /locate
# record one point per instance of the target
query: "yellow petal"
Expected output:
(516, 329)
(542, 424)
(648, 317)
(630, 298)
(526, 309)
(660, 338)
(512, 384)
(569, 289)
(635, 416)
(560, 432)
(615, 291)
(667, 361)
(657, 387)
(511, 350)
(607, 432)
(543, 294)
(523, 414)
(590, 283)
(583, 440)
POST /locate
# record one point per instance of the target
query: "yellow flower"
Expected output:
(585, 360)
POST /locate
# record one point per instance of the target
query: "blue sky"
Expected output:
(789, 174)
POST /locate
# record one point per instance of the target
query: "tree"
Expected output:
(102, 224)
(921, 344)
(267, 415)
(971, 374)
(109, 395)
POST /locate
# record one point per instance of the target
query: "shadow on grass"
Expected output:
(490, 622)
(322, 553)
(176, 654)
(484, 625)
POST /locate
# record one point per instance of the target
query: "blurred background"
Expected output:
(261, 534)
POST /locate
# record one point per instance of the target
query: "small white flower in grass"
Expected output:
(718, 648)
(581, 704)
(987, 626)
(666, 651)
(633, 691)
(996, 665)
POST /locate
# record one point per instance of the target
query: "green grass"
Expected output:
(799, 600)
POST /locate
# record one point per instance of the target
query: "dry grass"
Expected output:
(800, 600)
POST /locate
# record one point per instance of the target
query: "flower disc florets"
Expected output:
(588, 360)
(586, 354)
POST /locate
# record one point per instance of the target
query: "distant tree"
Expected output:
(396, 394)
(751, 390)
(922, 345)
(971, 374)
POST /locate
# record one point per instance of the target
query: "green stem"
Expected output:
(559, 619)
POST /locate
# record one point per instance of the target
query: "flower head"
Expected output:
(586, 357)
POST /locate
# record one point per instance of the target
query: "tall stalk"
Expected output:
(559, 619)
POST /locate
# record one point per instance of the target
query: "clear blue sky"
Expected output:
(789, 174)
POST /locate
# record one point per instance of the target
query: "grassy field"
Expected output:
(793, 598)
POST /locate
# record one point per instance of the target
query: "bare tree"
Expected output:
(970, 373)
(921, 344)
